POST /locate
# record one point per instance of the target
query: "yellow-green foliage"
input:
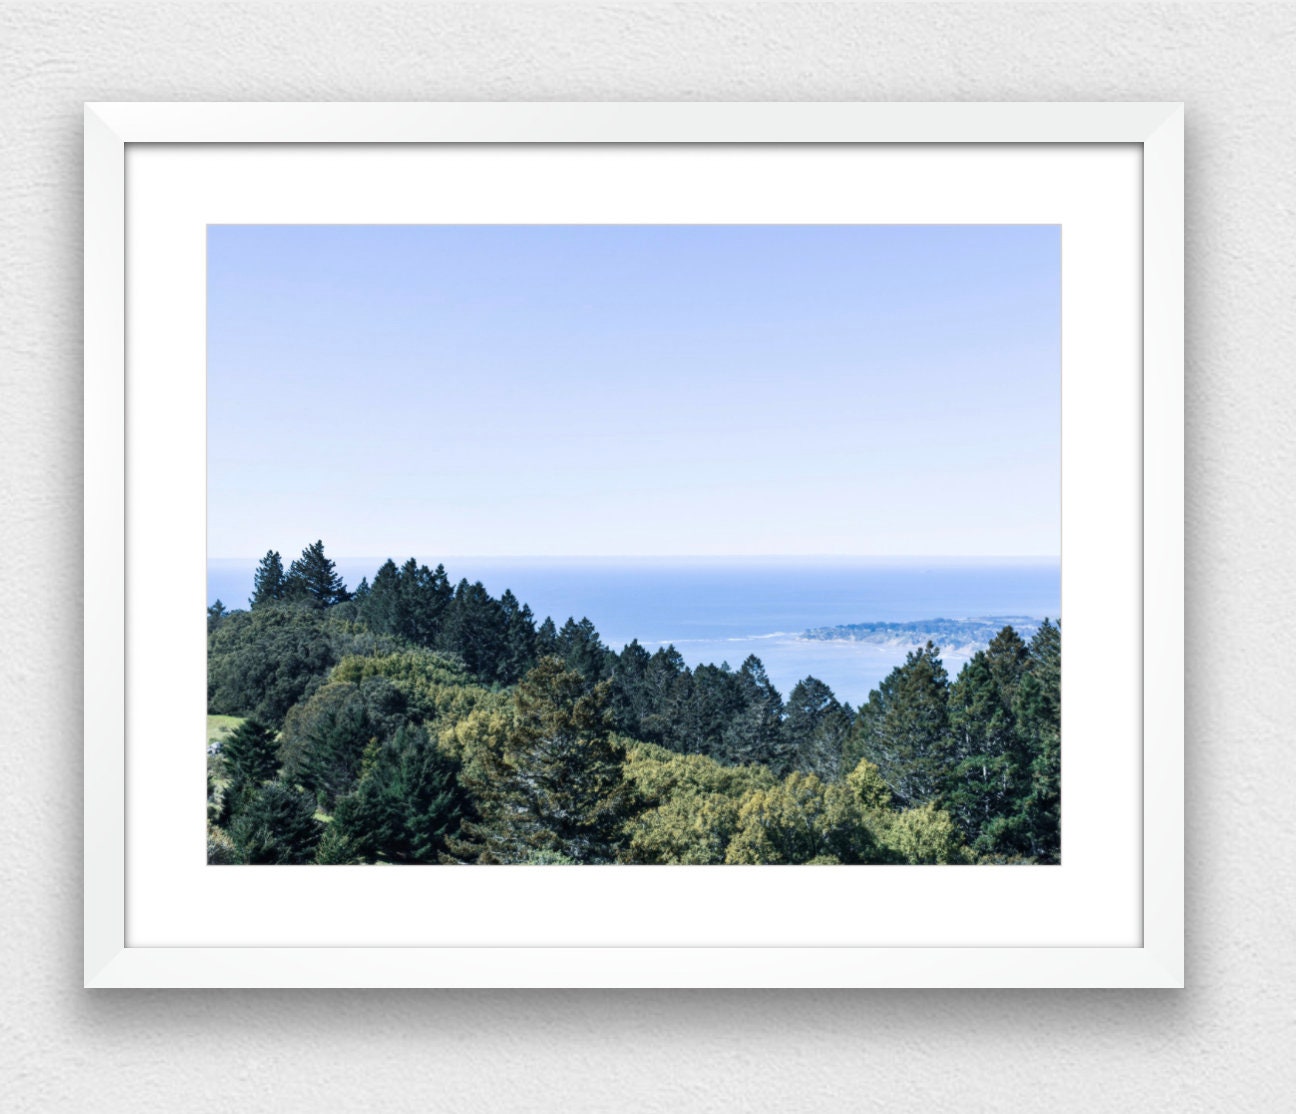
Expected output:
(689, 803)
(916, 835)
(486, 726)
(925, 835)
(414, 667)
(220, 848)
(802, 820)
(865, 781)
(437, 688)
(220, 727)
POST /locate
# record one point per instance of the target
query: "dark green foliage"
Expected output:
(269, 585)
(1038, 707)
(262, 662)
(422, 596)
(713, 711)
(313, 577)
(546, 644)
(816, 729)
(556, 784)
(335, 849)
(476, 629)
(406, 805)
(275, 826)
(987, 763)
(651, 689)
(710, 700)
(903, 729)
(380, 608)
(409, 601)
(215, 614)
(250, 754)
(324, 738)
(755, 733)
(519, 639)
(330, 764)
(581, 648)
(394, 711)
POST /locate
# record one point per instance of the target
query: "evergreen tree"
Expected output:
(249, 754)
(422, 595)
(380, 608)
(755, 733)
(816, 729)
(331, 762)
(546, 640)
(903, 728)
(334, 849)
(407, 803)
(519, 638)
(269, 585)
(556, 784)
(707, 702)
(1038, 707)
(999, 754)
(627, 696)
(314, 578)
(215, 614)
(475, 628)
(276, 826)
(581, 648)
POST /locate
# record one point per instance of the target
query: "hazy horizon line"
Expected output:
(689, 557)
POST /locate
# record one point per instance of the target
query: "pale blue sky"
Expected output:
(634, 390)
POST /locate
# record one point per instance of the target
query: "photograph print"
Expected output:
(634, 544)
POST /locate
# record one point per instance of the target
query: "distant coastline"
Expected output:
(953, 636)
(846, 621)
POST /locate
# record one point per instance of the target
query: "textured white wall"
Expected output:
(1225, 1043)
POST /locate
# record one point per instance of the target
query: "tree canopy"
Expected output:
(420, 722)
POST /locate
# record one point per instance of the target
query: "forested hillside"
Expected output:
(413, 720)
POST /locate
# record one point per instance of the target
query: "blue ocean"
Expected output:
(716, 610)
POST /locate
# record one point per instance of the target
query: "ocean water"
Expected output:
(721, 609)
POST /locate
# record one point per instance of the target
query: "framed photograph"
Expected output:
(648, 527)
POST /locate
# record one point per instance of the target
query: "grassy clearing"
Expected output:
(218, 729)
(220, 726)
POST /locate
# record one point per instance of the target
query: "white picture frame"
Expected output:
(113, 959)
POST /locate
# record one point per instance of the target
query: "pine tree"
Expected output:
(816, 728)
(277, 826)
(627, 696)
(249, 754)
(269, 585)
(556, 784)
(903, 728)
(519, 638)
(580, 646)
(546, 639)
(331, 764)
(474, 627)
(407, 803)
(755, 733)
(422, 596)
(380, 608)
(315, 578)
(984, 773)
(215, 614)
(1038, 707)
